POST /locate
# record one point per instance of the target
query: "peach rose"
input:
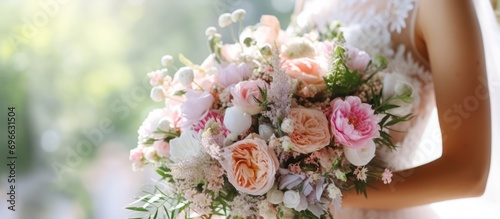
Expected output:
(307, 70)
(310, 131)
(268, 32)
(251, 166)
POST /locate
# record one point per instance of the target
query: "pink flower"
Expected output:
(233, 73)
(353, 124)
(211, 115)
(231, 52)
(156, 77)
(162, 148)
(310, 130)
(244, 94)
(357, 59)
(136, 154)
(387, 176)
(251, 166)
(307, 70)
(267, 33)
(195, 107)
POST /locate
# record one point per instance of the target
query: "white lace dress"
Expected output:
(386, 27)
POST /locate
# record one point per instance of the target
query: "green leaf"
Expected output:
(137, 209)
(179, 93)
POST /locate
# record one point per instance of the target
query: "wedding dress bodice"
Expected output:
(386, 27)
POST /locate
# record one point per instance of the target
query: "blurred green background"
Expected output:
(76, 73)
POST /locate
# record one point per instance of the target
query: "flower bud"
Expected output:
(265, 131)
(164, 124)
(167, 60)
(157, 94)
(236, 121)
(275, 196)
(238, 15)
(287, 125)
(185, 76)
(291, 199)
(211, 31)
(225, 20)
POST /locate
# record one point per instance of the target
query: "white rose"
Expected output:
(265, 131)
(360, 157)
(157, 94)
(187, 146)
(275, 196)
(287, 125)
(291, 199)
(185, 76)
(399, 85)
(236, 121)
(225, 20)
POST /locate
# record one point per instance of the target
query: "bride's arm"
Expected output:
(449, 31)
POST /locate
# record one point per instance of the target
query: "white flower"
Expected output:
(291, 199)
(265, 131)
(185, 147)
(164, 124)
(298, 47)
(286, 143)
(236, 121)
(303, 204)
(400, 86)
(211, 31)
(225, 20)
(185, 76)
(158, 94)
(287, 125)
(149, 153)
(167, 60)
(275, 196)
(238, 15)
(333, 191)
(362, 156)
(340, 175)
(150, 125)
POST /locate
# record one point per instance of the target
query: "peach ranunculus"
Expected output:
(244, 94)
(310, 131)
(268, 32)
(251, 166)
(308, 70)
(354, 123)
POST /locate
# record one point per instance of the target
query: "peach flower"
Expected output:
(267, 33)
(354, 123)
(307, 70)
(310, 131)
(251, 166)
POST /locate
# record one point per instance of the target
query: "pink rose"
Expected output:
(307, 70)
(310, 130)
(251, 166)
(244, 94)
(353, 123)
(233, 73)
(195, 107)
(357, 59)
(267, 33)
(162, 148)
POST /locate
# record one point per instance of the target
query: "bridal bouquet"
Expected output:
(274, 125)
